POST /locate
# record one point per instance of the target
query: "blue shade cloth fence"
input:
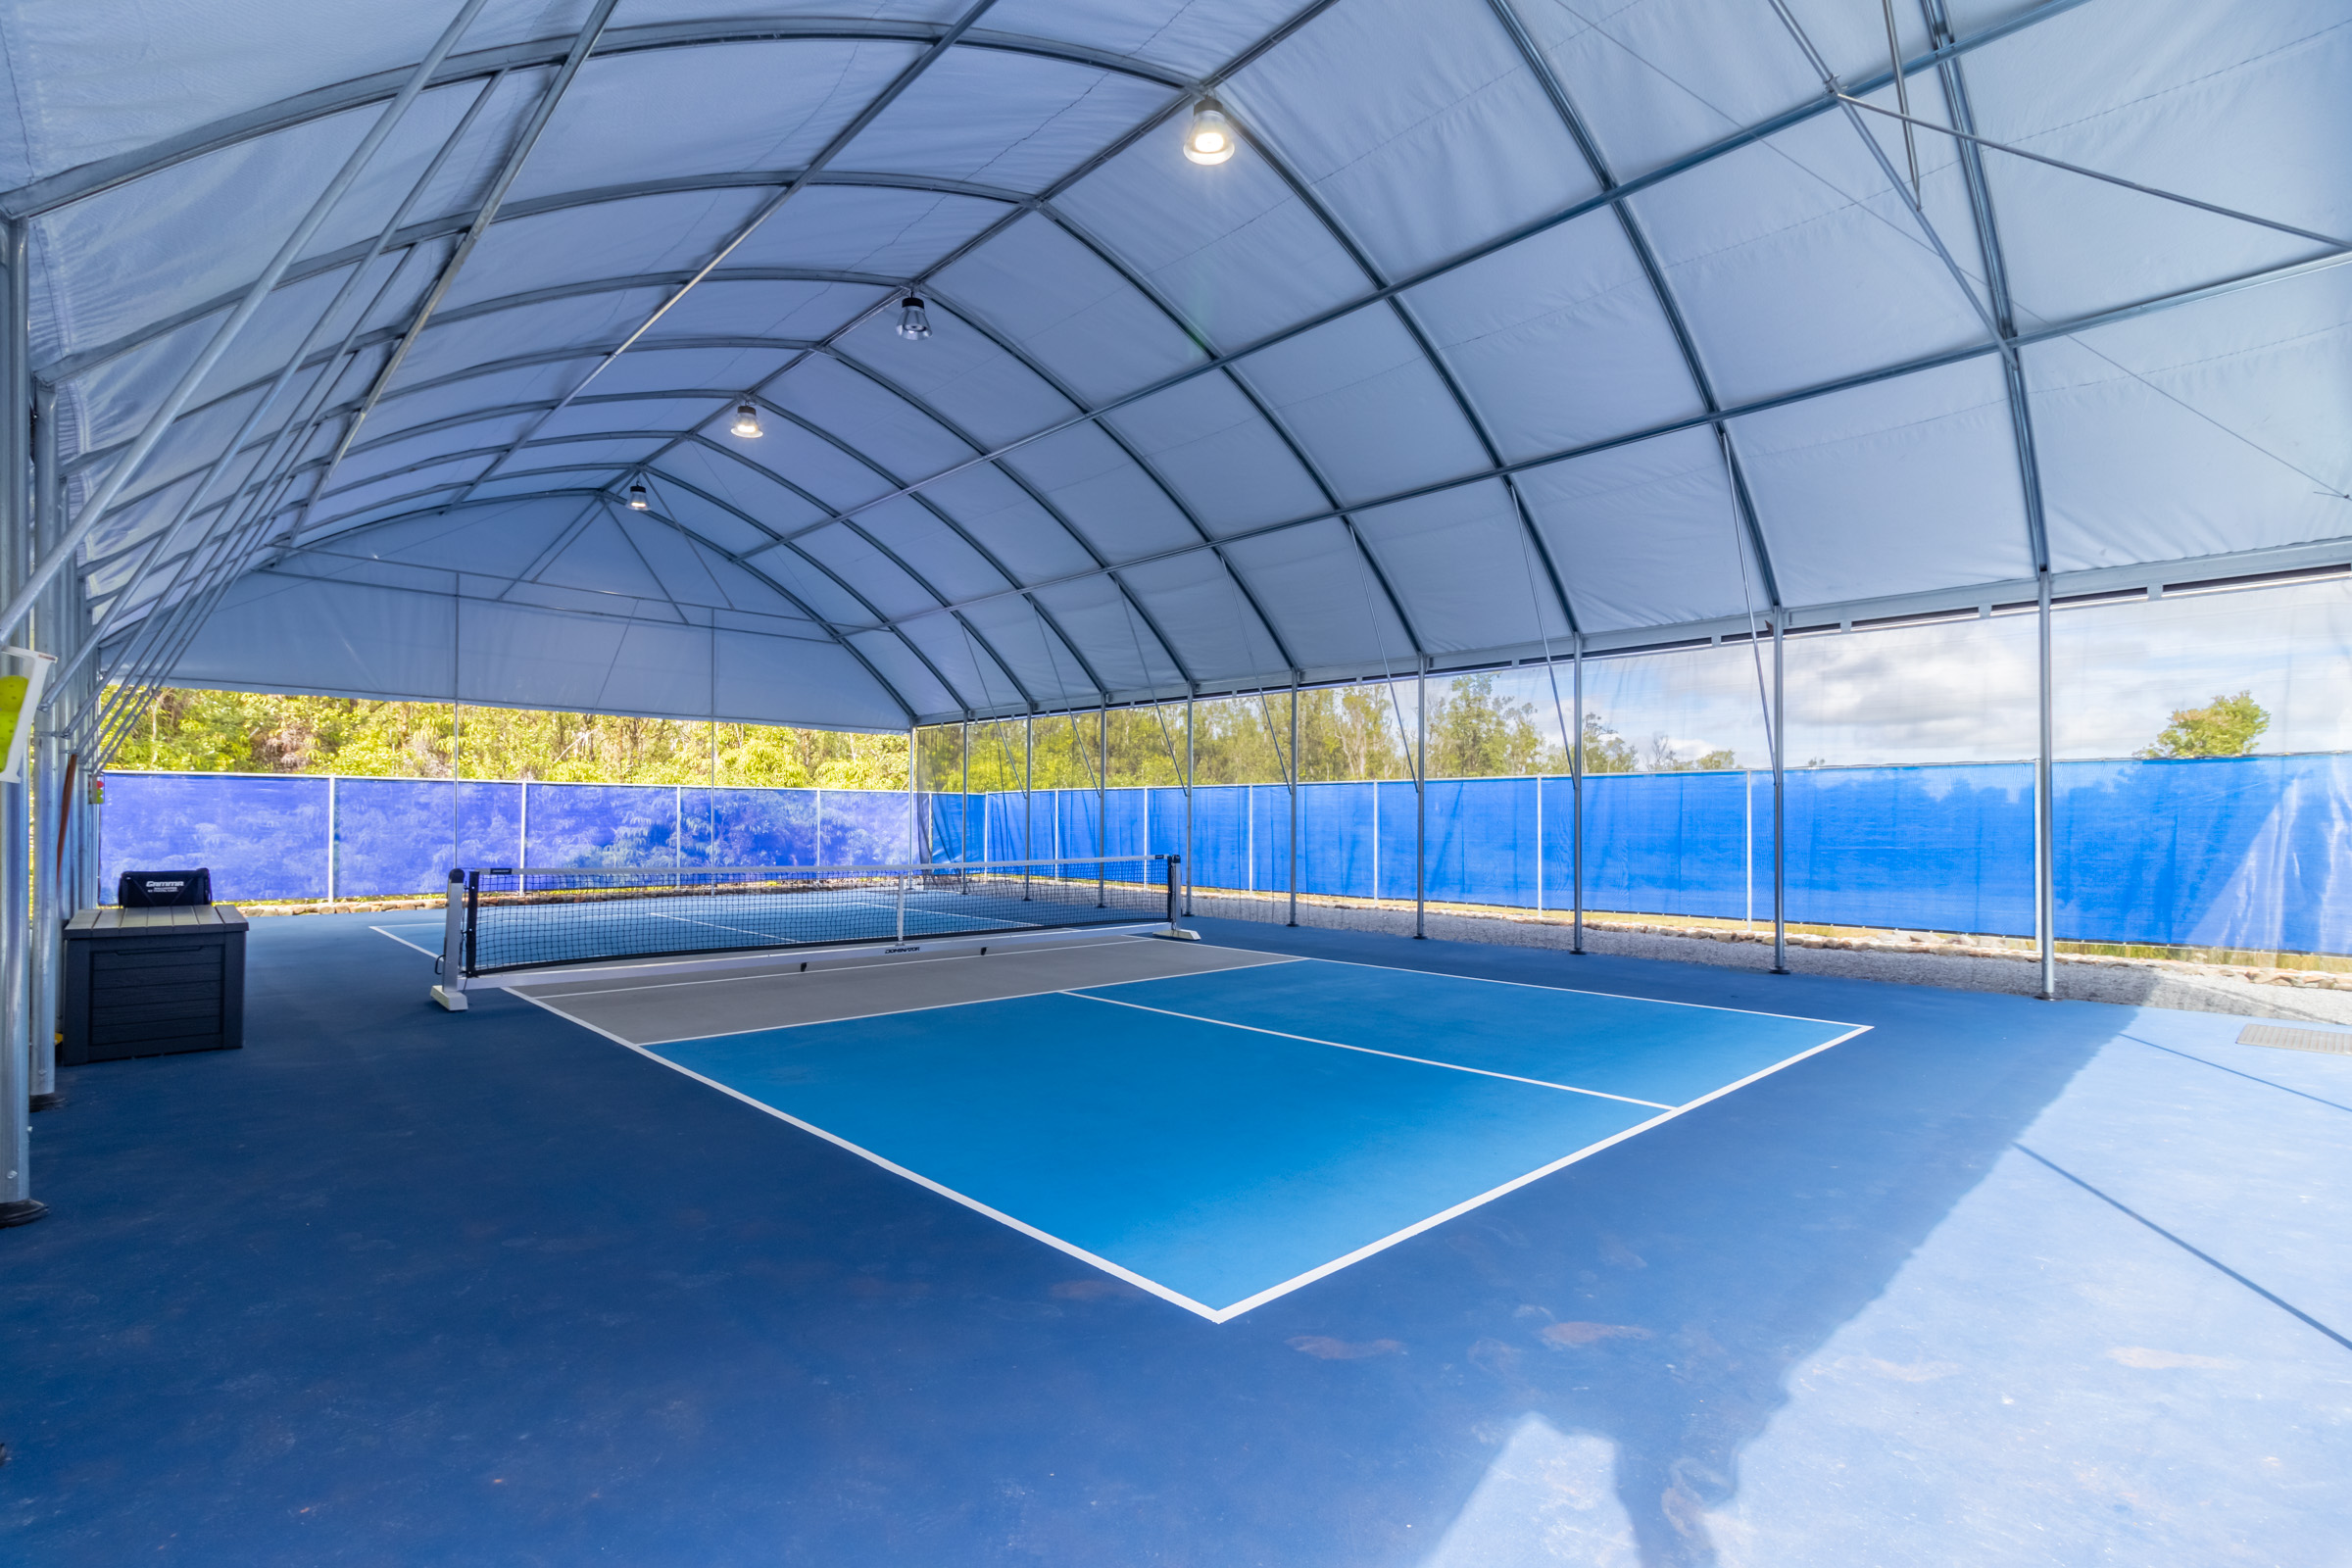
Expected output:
(277, 837)
(2249, 853)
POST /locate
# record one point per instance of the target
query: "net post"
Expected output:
(901, 907)
(455, 925)
(1174, 931)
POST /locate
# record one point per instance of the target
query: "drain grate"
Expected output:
(2270, 1034)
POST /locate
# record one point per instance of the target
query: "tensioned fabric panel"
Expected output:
(370, 641)
(1174, 425)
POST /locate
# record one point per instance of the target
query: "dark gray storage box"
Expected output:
(152, 982)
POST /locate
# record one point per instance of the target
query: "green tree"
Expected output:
(2227, 726)
(1478, 732)
(1606, 751)
(252, 732)
(1664, 759)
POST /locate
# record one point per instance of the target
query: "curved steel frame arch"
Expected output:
(1942, 56)
(1943, 53)
(1700, 420)
(89, 179)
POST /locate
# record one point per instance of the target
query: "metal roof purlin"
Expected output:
(154, 424)
(834, 147)
(1997, 279)
(857, 455)
(1721, 147)
(815, 565)
(108, 173)
(1041, 203)
(1043, 504)
(1555, 93)
(526, 141)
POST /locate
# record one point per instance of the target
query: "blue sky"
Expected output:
(1964, 691)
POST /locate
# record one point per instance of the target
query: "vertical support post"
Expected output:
(1102, 801)
(963, 843)
(1576, 802)
(522, 826)
(1780, 800)
(2045, 812)
(52, 634)
(330, 839)
(1188, 802)
(456, 712)
(1028, 798)
(1294, 921)
(18, 1206)
(914, 816)
(1421, 800)
(47, 922)
(901, 881)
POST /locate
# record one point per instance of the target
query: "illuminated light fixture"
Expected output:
(1210, 140)
(746, 421)
(637, 498)
(915, 322)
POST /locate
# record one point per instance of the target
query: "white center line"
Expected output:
(1397, 1056)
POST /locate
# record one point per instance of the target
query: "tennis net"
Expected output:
(504, 917)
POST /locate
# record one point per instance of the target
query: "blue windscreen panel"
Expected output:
(2243, 853)
(2250, 853)
(263, 838)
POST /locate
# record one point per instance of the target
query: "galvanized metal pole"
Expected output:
(1102, 802)
(1780, 812)
(1028, 797)
(2045, 814)
(1294, 921)
(963, 846)
(1188, 861)
(914, 809)
(1421, 801)
(94, 506)
(18, 1206)
(51, 636)
(1576, 795)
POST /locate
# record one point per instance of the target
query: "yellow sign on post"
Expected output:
(23, 673)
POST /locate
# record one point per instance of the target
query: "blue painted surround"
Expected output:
(394, 1287)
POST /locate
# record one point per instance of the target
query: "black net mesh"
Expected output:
(527, 920)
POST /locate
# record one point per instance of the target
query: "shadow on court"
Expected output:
(396, 1287)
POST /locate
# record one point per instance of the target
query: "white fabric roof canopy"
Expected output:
(1510, 320)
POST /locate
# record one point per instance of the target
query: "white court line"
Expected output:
(1394, 1056)
(1286, 1287)
(945, 957)
(916, 1177)
(383, 930)
(1512, 1186)
(549, 1002)
(1580, 991)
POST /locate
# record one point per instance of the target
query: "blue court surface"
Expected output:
(1191, 1135)
(1995, 1282)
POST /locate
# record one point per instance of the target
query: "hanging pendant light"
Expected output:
(637, 497)
(746, 421)
(915, 322)
(1211, 139)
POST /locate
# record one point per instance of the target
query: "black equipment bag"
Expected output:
(158, 890)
